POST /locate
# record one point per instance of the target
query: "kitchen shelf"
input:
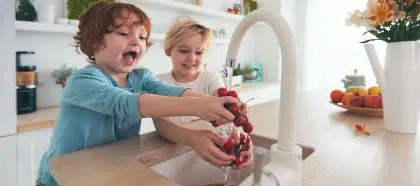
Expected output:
(72, 29)
(45, 27)
(185, 7)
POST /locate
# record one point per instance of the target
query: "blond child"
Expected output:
(186, 43)
(106, 101)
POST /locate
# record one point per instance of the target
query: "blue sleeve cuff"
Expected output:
(133, 102)
(177, 91)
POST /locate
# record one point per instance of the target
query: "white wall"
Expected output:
(328, 49)
(8, 68)
(52, 50)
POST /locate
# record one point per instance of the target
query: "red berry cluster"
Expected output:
(230, 148)
(241, 120)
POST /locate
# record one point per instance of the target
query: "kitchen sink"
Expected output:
(189, 169)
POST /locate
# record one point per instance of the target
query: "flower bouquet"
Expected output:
(389, 20)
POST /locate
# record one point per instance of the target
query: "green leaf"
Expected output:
(369, 40)
(410, 8)
(395, 34)
(414, 34)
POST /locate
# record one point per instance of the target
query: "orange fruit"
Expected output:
(336, 96)
(347, 97)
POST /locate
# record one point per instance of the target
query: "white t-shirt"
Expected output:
(205, 83)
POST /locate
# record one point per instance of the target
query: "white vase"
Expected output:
(400, 82)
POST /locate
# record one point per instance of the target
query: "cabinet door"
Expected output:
(8, 160)
(31, 147)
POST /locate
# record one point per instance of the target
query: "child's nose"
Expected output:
(192, 56)
(135, 41)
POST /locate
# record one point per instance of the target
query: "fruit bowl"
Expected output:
(360, 110)
(359, 100)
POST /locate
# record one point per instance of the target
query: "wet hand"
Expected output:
(203, 144)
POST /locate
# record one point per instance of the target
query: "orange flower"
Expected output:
(384, 1)
(380, 14)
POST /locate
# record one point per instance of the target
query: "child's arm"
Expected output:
(90, 89)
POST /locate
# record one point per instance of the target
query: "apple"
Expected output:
(373, 101)
(357, 101)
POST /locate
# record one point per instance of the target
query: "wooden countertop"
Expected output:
(127, 162)
(45, 117)
(342, 158)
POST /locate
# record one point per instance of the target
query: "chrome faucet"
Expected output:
(286, 161)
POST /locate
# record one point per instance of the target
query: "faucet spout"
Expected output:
(289, 77)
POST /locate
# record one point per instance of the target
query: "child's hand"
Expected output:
(248, 157)
(236, 133)
(211, 108)
(202, 143)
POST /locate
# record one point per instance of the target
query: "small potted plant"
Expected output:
(239, 74)
(61, 74)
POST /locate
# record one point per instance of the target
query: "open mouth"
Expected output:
(130, 56)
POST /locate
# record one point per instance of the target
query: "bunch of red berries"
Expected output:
(230, 148)
(241, 120)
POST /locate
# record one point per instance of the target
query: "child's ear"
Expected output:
(168, 53)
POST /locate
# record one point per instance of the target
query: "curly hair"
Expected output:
(99, 19)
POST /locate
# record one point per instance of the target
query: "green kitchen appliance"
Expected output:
(256, 75)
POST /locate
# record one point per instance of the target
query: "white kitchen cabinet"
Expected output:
(31, 146)
(8, 161)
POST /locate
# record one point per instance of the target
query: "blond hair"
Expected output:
(183, 29)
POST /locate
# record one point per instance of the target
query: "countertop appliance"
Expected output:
(26, 78)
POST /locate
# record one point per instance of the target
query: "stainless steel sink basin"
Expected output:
(189, 169)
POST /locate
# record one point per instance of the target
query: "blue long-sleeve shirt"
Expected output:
(95, 110)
